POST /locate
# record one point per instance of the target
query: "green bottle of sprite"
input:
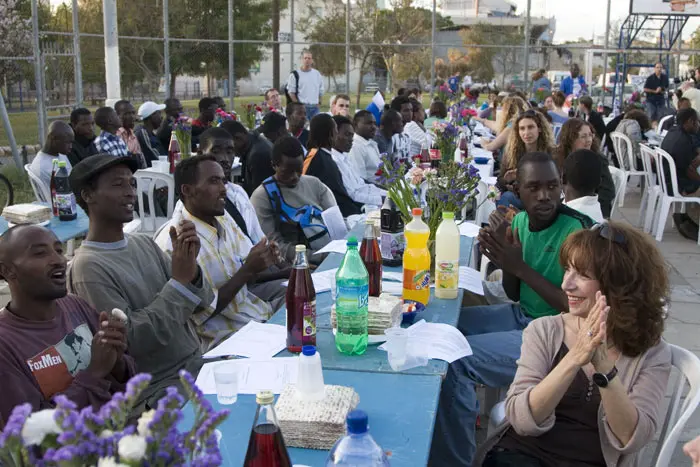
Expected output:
(351, 301)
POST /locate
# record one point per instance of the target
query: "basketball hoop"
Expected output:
(679, 5)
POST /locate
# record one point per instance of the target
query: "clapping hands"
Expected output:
(591, 342)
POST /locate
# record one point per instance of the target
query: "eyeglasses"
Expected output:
(528, 113)
(607, 233)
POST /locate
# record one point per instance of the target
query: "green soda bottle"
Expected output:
(351, 302)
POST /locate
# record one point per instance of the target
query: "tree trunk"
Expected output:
(360, 79)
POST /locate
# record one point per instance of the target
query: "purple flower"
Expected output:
(13, 427)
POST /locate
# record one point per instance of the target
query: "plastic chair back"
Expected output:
(146, 181)
(648, 156)
(42, 193)
(664, 160)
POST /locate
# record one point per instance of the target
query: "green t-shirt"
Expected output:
(541, 253)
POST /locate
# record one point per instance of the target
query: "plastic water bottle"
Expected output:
(357, 448)
(447, 257)
(351, 302)
(310, 385)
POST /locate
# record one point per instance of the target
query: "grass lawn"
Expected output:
(23, 192)
(25, 129)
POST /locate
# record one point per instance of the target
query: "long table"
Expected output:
(401, 405)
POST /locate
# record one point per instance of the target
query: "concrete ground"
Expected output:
(683, 324)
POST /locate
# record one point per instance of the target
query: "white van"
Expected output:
(556, 76)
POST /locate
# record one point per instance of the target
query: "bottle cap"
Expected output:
(62, 163)
(357, 422)
(369, 221)
(265, 398)
(300, 248)
(417, 211)
(448, 215)
(352, 240)
(309, 350)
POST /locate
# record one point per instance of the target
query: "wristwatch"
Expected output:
(602, 380)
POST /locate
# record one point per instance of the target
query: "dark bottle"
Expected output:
(372, 257)
(65, 199)
(435, 156)
(301, 304)
(266, 445)
(392, 243)
(173, 152)
(52, 185)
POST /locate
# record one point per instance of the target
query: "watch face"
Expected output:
(600, 380)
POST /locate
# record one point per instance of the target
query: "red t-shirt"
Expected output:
(40, 359)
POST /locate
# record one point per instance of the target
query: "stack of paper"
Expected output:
(436, 340)
(383, 312)
(254, 340)
(322, 280)
(314, 424)
(253, 375)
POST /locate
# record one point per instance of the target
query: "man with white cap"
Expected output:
(151, 118)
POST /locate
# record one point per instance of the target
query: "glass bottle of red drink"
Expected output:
(463, 147)
(173, 152)
(301, 304)
(372, 257)
(266, 446)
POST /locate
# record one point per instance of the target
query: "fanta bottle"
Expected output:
(416, 260)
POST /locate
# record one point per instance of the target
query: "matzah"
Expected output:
(314, 424)
(27, 213)
(384, 312)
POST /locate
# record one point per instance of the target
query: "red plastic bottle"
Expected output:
(173, 152)
(301, 305)
(372, 257)
(266, 446)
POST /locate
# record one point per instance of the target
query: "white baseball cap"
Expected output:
(148, 108)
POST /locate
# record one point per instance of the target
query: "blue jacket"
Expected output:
(567, 84)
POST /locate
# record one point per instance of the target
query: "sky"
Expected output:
(573, 23)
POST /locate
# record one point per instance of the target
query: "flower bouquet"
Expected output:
(461, 114)
(65, 436)
(222, 116)
(445, 138)
(541, 94)
(252, 113)
(183, 133)
(471, 97)
(444, 93)
(402, 186)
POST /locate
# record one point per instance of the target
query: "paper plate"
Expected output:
(372, 339)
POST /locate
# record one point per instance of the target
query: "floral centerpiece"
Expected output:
(471, 97)
(252, 111)
(183, 133)
(402, 189)
(444, 93)
(222, 116)
(445, 138)
(65, 436)
(461, 113)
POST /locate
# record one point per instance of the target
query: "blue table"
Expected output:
(65, 231)
(401, 420)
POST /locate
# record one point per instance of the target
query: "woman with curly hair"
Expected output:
(512, 106)
(590, 382)
(533, 133)
(578, 134)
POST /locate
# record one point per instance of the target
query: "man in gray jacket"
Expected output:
(129, 272)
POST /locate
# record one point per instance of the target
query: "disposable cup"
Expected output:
(397, 343)
(226, 379)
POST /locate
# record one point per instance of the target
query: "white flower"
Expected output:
(38, 425)
(145, 419)
(119, 314)
(132, 448)
(106, 434)
(109, 462)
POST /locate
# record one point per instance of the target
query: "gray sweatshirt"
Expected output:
(134, 275)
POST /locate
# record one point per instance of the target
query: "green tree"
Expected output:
(485, 62)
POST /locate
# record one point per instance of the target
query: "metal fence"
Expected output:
(225, 48)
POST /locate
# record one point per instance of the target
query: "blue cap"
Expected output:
(357, 422)
(308, 350)
(352, 240)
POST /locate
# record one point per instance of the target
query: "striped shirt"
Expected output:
(111, 144)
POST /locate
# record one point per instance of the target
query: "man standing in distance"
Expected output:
(305, 85)
(655, 86)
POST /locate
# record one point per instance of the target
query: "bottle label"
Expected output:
(65, 203)
(435, 154)
(447, 275)
(351, 297)
(416, 279)
(392, 245)
(309, 310)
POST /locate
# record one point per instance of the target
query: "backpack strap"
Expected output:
(307, 162)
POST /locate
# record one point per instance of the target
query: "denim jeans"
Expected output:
(508, 198)
(656, 111)
(311, 111)
(495, 336)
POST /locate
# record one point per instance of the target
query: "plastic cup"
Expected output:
(397, 343)
(226, 379)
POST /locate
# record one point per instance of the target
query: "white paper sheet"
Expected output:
(254, 340)
(253, 375)
(335, 223)
(392, 276)
(335, 246)
(470, 279)
(393, 288)
(436, 341)
(322, 280)
(468, 229)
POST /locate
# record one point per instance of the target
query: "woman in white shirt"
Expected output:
(415, 129)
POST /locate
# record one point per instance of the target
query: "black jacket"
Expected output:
(256, 163)
(324, 168)
(82, 148)
(596, 120)
(606, 189)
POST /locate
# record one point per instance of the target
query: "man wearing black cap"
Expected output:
(113, 270)
(255, 154)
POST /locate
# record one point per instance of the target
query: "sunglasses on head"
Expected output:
(528, 113)
(607, 233)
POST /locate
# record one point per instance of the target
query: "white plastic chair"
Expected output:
(688, 366)
(624, 149)
(146, 184)
(651, 189)
(42, 193)
(667, 198)
(659, 127)
(486, 207)
(132, 227)
(619, 180)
